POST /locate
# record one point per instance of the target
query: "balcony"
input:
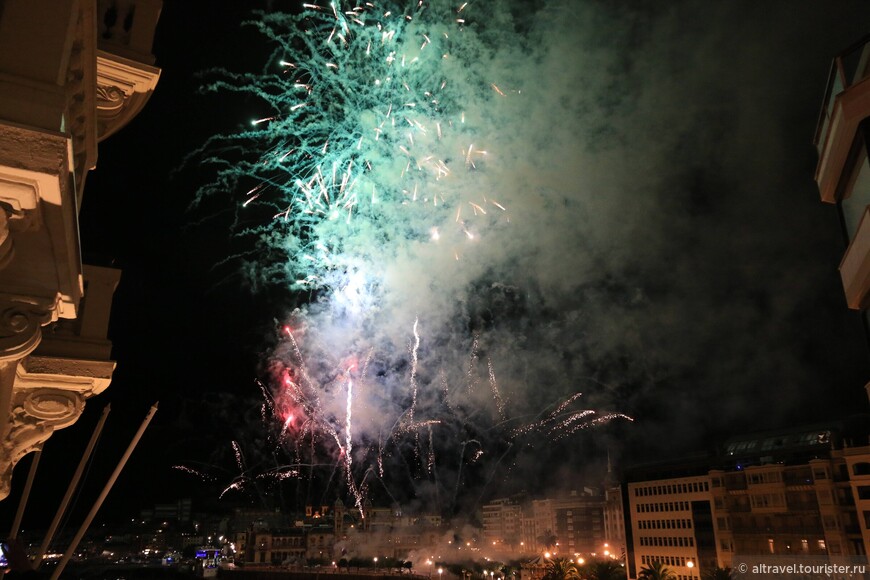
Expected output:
(846, 103)
(855, 266)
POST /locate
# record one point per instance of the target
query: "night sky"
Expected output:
(687, 276)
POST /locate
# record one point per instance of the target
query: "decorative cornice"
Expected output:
(123, 88)
(48, 394)
(87, 377)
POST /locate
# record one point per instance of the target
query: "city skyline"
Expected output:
(701, 286)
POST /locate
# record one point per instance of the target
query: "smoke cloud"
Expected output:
(481, 212)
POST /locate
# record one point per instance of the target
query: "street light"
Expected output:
(376, 562)
(440, 571)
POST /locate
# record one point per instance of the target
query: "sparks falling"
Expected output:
(376, 159)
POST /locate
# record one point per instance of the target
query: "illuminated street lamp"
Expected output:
(440, 571)
(690, 564)
(376, 562)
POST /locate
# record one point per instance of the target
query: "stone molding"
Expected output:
(123, 88)
(21, 322)
(39, 226)
(48, 394)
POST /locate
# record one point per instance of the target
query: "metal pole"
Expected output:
(49, 535)
(85, 524)
(25, 495)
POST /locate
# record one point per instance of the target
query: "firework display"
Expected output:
(387, 165)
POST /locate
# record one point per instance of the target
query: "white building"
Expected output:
(71, 74)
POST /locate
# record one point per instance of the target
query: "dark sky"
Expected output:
(697, 281)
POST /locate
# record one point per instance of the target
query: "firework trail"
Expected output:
(493, 384)
(379, 159)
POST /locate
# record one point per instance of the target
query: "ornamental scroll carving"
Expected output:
(110, 98)
(36, 414)
(21, 328)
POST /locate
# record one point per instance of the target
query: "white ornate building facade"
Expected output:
(72, 72)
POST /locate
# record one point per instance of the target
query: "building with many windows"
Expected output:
(569, 524)
(503, 522)
(671, 523)
(787, 494)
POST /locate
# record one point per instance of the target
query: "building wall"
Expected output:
(580, 525)
(670, 521)
(61, 91)
(858, 467)
(503, 522)
(816, 507)
(614, 520)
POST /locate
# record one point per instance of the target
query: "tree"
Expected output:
(718, 574)
(547, 539)
(604, 570)
(561, 569)
(656, 571)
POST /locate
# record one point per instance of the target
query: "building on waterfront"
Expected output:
(575, 523)
(789, 493)
(320, 543)
(71, 74)
(671, 523)
(503, 522)
(572, 523)
(275, 547)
